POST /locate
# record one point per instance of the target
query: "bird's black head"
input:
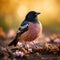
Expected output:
(32, 16)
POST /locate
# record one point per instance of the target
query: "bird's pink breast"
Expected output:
(32, 33)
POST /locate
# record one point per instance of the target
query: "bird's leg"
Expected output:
(34, 44)
(24, 43)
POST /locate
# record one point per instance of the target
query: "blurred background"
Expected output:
(13, 12)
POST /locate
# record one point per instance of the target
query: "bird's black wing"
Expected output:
(22, 29)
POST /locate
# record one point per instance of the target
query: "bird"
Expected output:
(29, 30)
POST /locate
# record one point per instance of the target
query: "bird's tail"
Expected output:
(14, 42)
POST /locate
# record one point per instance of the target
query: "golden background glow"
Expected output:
(13, 12)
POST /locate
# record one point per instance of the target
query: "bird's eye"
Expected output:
(33, 14)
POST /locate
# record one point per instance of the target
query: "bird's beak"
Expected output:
(38, 13)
